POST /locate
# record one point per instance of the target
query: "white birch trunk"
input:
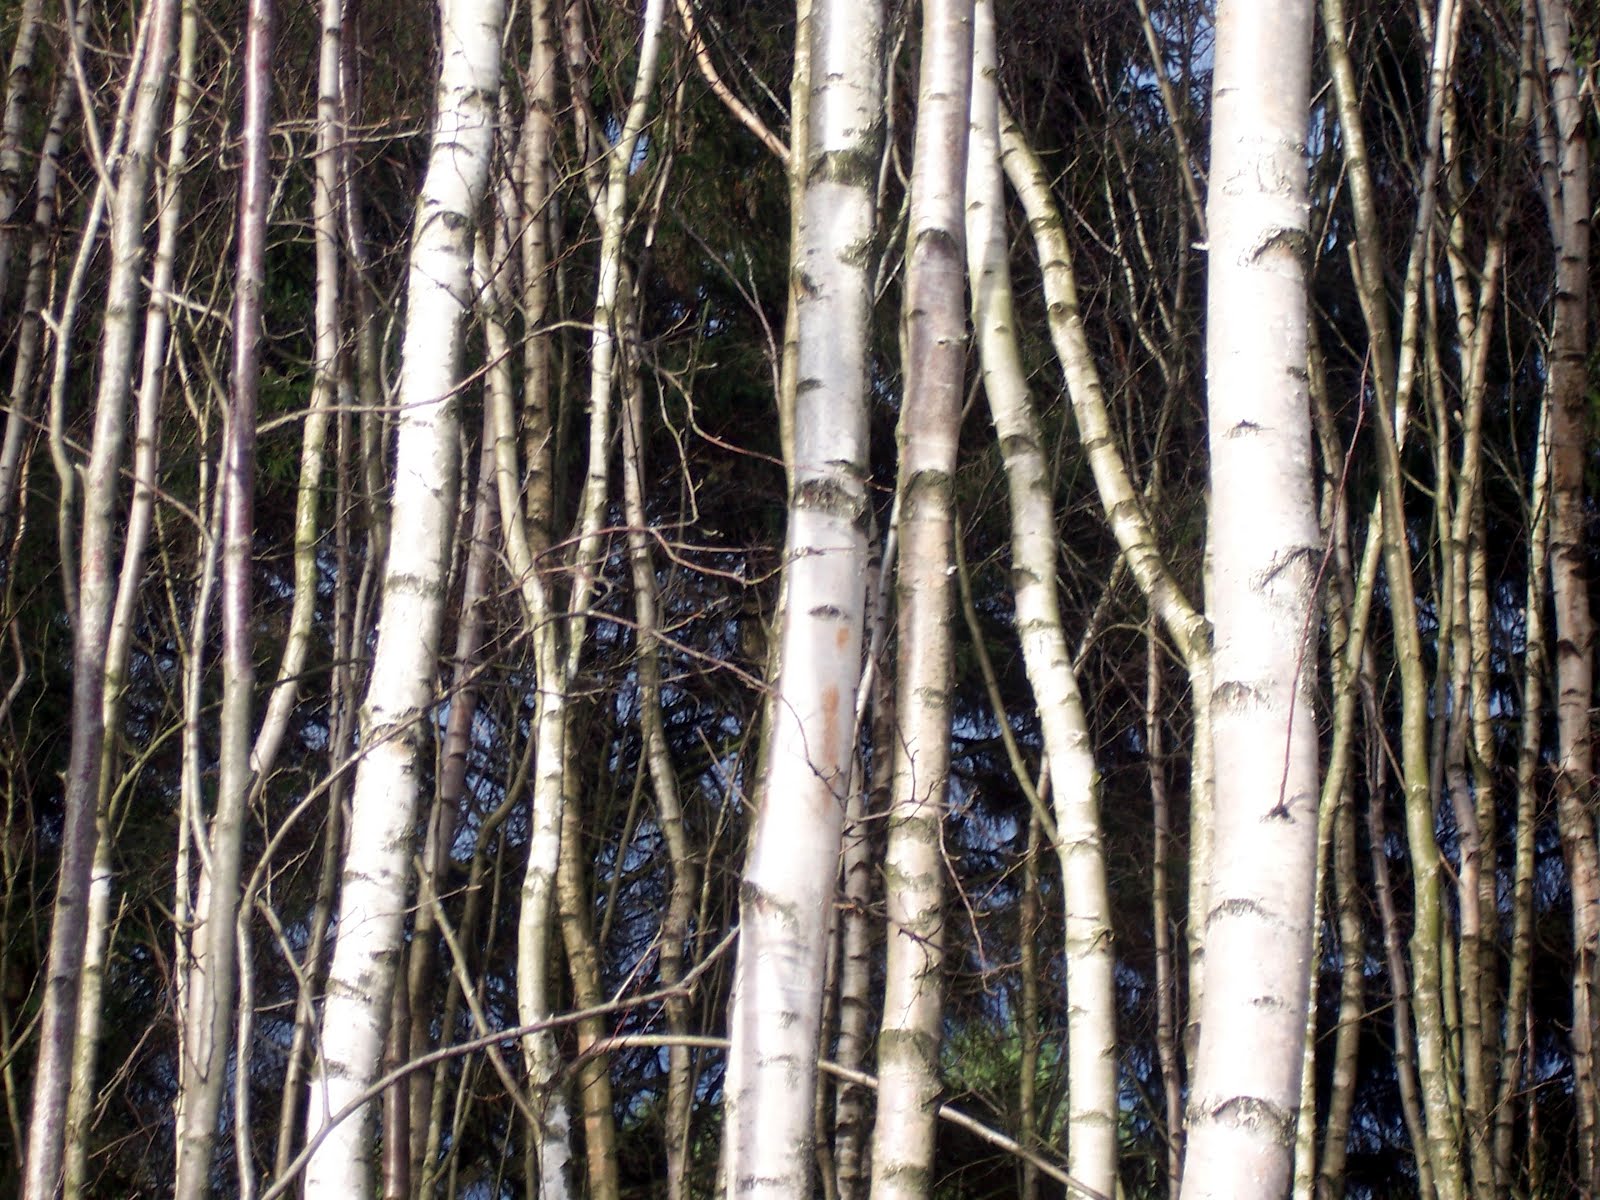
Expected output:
(1125, 515)
(1264, 554)
(789, 877)
(374, 890)
(930, 427)
(1091, 993)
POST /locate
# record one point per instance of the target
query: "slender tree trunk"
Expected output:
(869, 796)
(679, 914)
(1517, 1054)
(533, 225)
(20, 75)
(1091, 1016)
(592, 1077)
(1028, 913)
(1125, 514)
(1394, 376)
(374, 888)
(91, 616)
(1348, 604)
(930, 427)
(204, 1067)
(1568, 381)
(788, 878)
(80, 1105)
(25, 381)
(327, 381)
(557, 663)
(444, 821)
(1168, 1049)
(1265, 551)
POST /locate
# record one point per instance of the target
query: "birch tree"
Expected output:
(930, 426)
(374, 888)
(615, 573)
(211, 988)
(1075, 831)
(788, 878)
(1567, 198)
(90, 603)
(1264, 554)
(559, 642)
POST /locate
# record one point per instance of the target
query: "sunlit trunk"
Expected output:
(1265, 553)
(789, 876)
(374, 892)
(1074, 776)
(930, 426)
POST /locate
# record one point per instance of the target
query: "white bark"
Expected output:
(930, 428)
(789, 877)
(374, 890)
(1124, 513)
(1264, 552)
(1091, 993)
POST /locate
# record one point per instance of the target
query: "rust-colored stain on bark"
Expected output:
(830, 720)
(841, 636)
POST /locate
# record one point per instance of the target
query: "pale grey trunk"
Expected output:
(930, 425)
(374, 893)
(135, 539)
(204, 1066)
(1264, 548)
(1091, 1015)
(325, 385)
(789, 876)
